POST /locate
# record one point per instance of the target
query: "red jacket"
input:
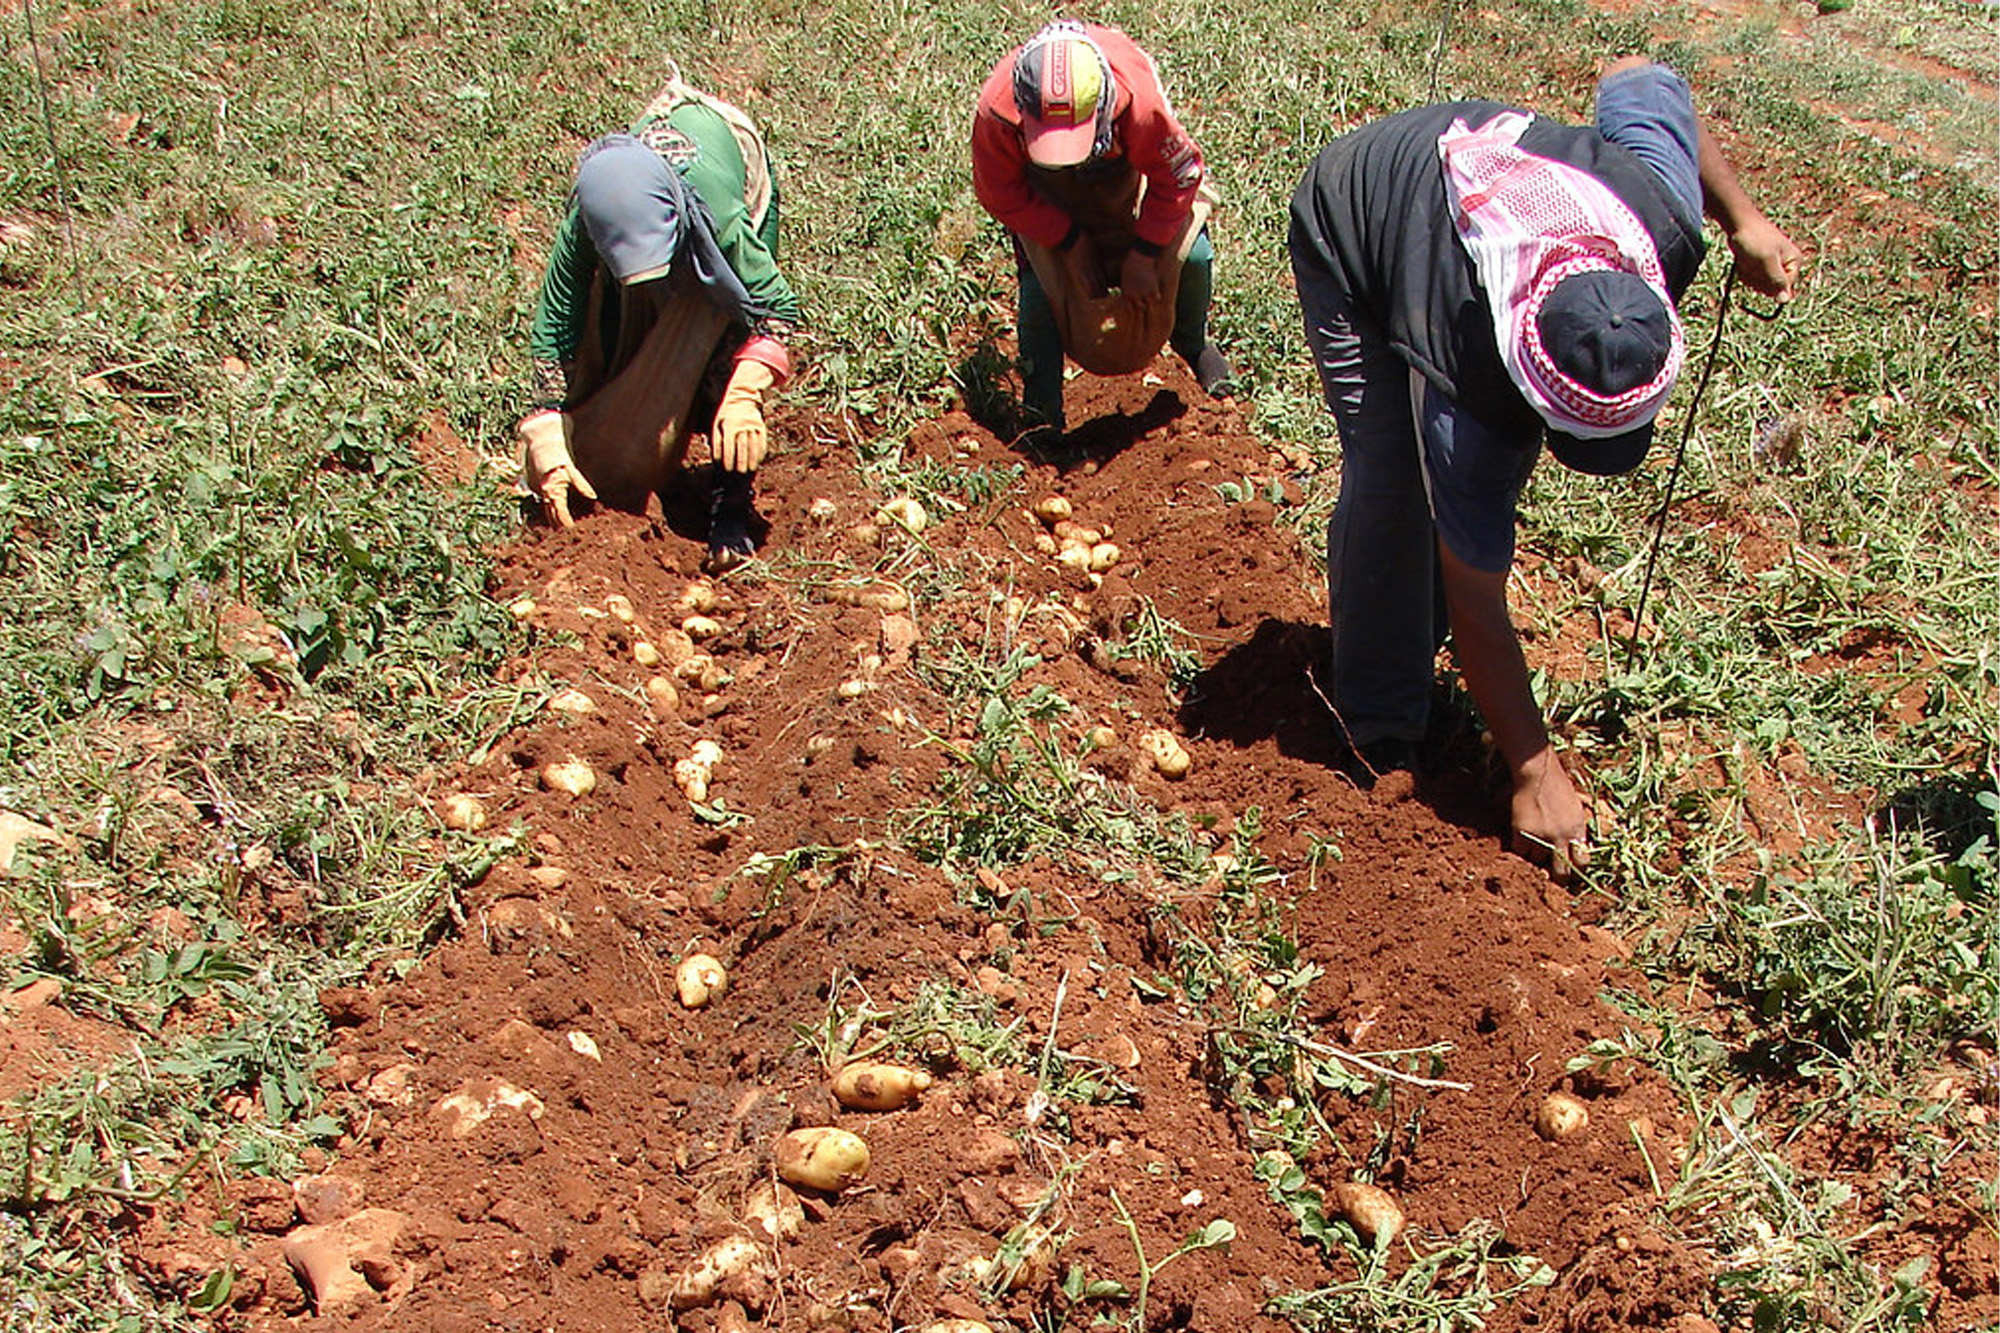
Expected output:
(1144, 129)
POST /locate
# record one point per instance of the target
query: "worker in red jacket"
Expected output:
(1076, 151)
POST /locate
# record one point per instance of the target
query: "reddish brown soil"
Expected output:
(1423, 928)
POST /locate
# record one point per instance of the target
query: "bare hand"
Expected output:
(1551, 821)
(1139, 278)
(1766, 258)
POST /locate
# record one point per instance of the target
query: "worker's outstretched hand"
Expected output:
(740, 439)
(1551, 821)
(548, 469)
(1766, 258)
(1139, 277)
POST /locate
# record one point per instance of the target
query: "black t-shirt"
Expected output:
(1373, 213)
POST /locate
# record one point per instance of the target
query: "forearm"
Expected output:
(1722, 194)
(1000, 181)
(1488, 652)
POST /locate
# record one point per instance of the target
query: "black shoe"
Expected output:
(1212, 372)
(731, 506)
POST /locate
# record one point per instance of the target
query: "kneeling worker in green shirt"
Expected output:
(662, 303)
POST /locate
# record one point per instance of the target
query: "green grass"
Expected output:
(287, 246)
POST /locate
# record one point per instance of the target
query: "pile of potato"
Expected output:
(1082, 550)
(821, 1158)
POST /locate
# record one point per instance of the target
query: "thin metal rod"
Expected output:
(1674, 475)
(55, 152)
(1443, 41)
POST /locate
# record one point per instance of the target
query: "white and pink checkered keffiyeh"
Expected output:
(1529, 222)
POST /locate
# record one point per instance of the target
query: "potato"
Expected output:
(1053, 509)
(700, 978)
(663, 694)
(905, 512)
(522, 607)
(572, 704)
(878, 1087)
(698, 598)
(694, 773)
(1104, 556)
(1369, 1210)
(464, 812)
(586, 1046)
(854, 689)
(692, 779)
(701, 627)
(1032, 1269)
(675, 647)
(645, 654)
(1045, 544)
(1561, 1116)
(822, 510)
(1085, 536)
(1075, 556)
(620, 607)
(822, 1158)
(773, 1211)
(1166, 753)
(865, 534)
(1100, 737)
(692, 668)
(888, 601)
(727, 1258)
(570, 775)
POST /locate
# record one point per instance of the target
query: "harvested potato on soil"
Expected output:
(1166, 753)
(701, 627)
(698, 598)
(773, 1210)
(620, 607)
(1104, 556)
(1032, 1267)
(1561, 1116)
(465, 812)
(1053, 509)
(663, 694)
(700, 978)
(1369, 1210)
(645, 654)
(732, 1256)
(522, 607)
(905, 512)
(878, 1087)
(570, 775)
(572, 703)
(822, 1158)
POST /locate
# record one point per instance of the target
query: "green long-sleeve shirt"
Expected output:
(696, 142)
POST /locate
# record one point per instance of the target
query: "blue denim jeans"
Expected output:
(1414, 470)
